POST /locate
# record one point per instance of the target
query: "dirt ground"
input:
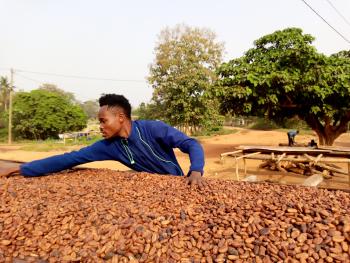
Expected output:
(214, 168)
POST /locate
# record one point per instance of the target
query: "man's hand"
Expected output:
(195, 178)
(6, 172)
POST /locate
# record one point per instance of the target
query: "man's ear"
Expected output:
(121, 116)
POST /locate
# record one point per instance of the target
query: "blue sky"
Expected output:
(116, 39)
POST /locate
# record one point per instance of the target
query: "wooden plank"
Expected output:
(286, 149)
(327, 151)
(223, 155)
(247, 155)
(230, 153)
(302, 160)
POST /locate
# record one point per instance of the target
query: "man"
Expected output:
(141, 145)
(291, 137)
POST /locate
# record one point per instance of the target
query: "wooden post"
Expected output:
(10, 109)
(245, 166)
(237, 175)
(223, 155)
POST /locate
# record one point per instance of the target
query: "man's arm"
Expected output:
(176, 139)
(5, 172)
(95, 152)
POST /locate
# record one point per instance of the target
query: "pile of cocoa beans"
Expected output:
(110, 216)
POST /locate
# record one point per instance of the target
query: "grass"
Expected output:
(55, 145)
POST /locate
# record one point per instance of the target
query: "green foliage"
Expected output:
(42, 114)
(90, 108)
(284, 76)
(295, 124)
(183, 71)
(3, 135)
(5, 89)
(148, 111)
(264, 124)
(53, 88)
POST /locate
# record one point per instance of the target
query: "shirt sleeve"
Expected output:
(94, 152)
(176, 139)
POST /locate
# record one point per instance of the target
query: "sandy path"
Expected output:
(213, 146)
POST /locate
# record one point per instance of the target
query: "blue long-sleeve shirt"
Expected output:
(292, 133)
(148, 148)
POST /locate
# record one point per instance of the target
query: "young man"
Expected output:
(141, 145)
(291, 137)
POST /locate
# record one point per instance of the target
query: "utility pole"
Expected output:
(10, 109)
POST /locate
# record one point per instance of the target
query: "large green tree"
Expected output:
(283, 76)
(42, 114)
(182, 72)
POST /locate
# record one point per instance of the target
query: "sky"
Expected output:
(112, 39)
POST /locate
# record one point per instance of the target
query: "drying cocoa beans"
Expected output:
(109, 216)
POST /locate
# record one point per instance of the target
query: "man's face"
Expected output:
(111, 121)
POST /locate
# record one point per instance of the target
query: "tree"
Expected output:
(282, 76)
(182, 72)
(148, 111)
(90, 108)
(4, 93)
(41, 114)
(5, 88)
(53, 88)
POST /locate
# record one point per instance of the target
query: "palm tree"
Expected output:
(5, 88)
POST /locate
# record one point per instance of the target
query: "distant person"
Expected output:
(291, 137)
(312, 143)
(142, 145)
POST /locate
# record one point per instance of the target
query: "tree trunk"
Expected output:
(327, 140)
(327, 133)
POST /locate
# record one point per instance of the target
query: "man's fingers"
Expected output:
(193, 182)
(200, 185)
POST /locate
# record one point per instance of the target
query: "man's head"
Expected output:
(114, 114)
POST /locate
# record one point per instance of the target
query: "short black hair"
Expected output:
(114, 100)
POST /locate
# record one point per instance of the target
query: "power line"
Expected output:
(79, 77)
(326, 21)
(34, 80)
(336, 10)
